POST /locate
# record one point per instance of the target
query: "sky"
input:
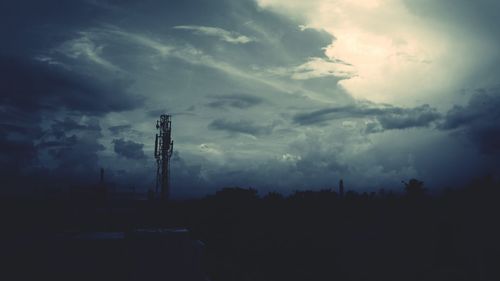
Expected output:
(277, 95)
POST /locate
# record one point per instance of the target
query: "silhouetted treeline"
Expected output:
(308, 235)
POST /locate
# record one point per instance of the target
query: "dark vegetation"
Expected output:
(308, 235)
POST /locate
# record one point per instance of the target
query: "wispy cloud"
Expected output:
(84, 47)
(161, 48)
(224, 35)
(316, 68)
(92, 42)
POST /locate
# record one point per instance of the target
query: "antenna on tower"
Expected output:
(164, 146)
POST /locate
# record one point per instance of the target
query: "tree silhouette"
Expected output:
(414, 188)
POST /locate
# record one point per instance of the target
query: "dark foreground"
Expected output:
(307, 236)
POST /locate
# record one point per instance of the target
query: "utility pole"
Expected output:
(341, 188)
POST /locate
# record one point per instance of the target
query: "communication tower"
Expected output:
(164, 146)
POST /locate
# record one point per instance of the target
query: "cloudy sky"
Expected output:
(272, 94)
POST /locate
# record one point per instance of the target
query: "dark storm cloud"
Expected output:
(8, 125)
(387, 117)
(61, 142)
(35, 86)
(478, 120)
(240, 101)
(33, 82)
(64, 153)
(71, 146)
(402, 118)
(30, 26)
(115, 130)
(129, 149)
(69, 133)
(69, 125)
(327, 114)
(240, 126)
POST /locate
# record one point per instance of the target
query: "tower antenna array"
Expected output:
(164, 146)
